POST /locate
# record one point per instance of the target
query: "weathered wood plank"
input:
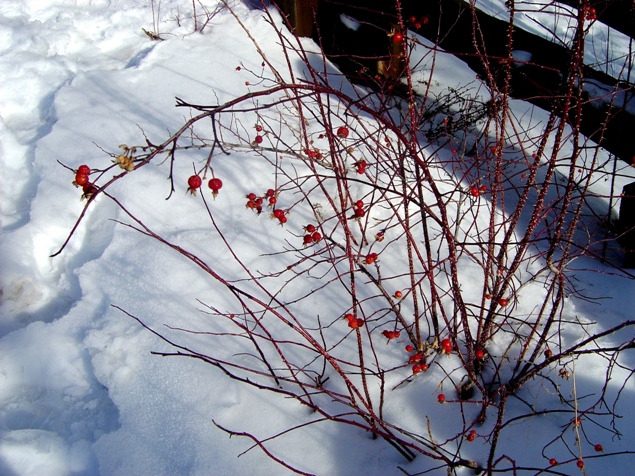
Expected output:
(301, 15)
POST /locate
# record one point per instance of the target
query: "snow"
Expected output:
(81, 393)
(521, 57)
(350, 22)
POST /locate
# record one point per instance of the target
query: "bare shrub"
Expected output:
(429, 217)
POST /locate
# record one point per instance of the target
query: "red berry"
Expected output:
(282, 219)
(194, 182)
(342, 132)
(309, 228)
(397, 38)
(424, 366)
(580, 464)
(479, 354)
(359, 204)
(398, 294)
(483, 188)
(252, 196)
(359, 212)
(83, 169)
(553, 461)
(89, 190)
(316, 237)
(548, 353)
(417, 25)
(258, 139)
(215, 185)
(361, 167)
(273, 200)
(471, 436)
(416, 369)
(312, 154)
(413, 19)
(425, 20)
(271, 192)
(446, 346)
(503, 302)
(308, 239)
(598, 448)
(81, 179)
(371, 258)
(409, 348)
(258, 128)
(441, 398)
(278, 213)
(474, 191)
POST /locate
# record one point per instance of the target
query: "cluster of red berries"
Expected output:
(502, 301)
(259, 138)
(354, 322)
(358, 209)
(255, 203)
(391, 334)
(82, 180)
(312, 235)
(81, 175)
(280, 215)
(360, 166)
(419, 22)
(342, 132)
(476, 191)
(195, 182)
(589, 13)
(417, 360)
(418, 368)
(313, 154)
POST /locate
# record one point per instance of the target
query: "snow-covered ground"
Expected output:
(80, 392)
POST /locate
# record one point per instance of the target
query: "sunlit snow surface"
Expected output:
(80, 393)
